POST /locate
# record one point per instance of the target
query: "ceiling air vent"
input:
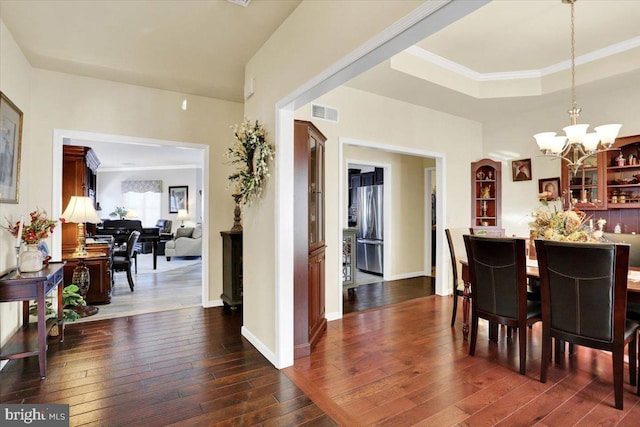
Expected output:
(325, 113)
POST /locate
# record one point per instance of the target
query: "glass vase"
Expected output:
(31, 259)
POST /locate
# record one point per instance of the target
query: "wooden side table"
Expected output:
(31, 339)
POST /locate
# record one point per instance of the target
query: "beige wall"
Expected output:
(15, 83)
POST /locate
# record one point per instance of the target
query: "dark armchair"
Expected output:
(584, 302)
(498, 277)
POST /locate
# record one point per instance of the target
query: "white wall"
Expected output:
(109, 191)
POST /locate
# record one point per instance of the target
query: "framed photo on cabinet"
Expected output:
(10, 144)
(549, 186)
(521, 170)
(178, 198)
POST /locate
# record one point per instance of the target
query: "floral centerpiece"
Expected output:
(552, 222)
(250, 153)
(32, 234)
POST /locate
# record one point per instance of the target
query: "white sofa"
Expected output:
(186, 242)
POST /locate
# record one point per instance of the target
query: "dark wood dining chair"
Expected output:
(498, 277)
(124, 262)
(584, 302)
(457, 252)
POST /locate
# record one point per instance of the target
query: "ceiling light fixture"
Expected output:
(577, 145)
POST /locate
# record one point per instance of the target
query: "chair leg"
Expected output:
(522, 338)
(474, 334)
(546, 358)
(618, 373)
(130, 278)
(632, 361)
(455, 308)
(135, 259)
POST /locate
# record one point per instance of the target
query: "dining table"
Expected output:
(633, 288)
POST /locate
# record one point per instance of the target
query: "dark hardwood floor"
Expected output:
(189, 367)
(383, 293)
(398, 365)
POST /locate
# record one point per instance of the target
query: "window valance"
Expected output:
(141, 186)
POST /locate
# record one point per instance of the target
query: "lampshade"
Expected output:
(183, 214)
(80, 210)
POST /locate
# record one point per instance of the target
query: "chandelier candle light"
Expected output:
(577, 145)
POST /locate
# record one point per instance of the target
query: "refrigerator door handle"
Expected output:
(370, 242)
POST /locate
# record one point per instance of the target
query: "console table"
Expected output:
(31, 339)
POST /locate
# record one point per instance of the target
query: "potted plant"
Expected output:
(70, 299)
(119, 211)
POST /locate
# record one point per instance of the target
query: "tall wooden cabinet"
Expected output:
(486, 196)
(309, 238)
(79, 171)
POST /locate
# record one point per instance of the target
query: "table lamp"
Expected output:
(182, 215)
(80, 210)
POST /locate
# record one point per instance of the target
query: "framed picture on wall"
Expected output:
(550, 186)
(178, 198)
(10, 144)
(521, 170)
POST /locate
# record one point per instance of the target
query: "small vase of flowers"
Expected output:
(32, 234)
(552, 222)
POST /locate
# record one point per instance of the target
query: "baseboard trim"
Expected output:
(213, 303)
(333, 316)
(266, 352)
(408, 275)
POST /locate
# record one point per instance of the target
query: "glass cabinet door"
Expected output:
(586, 186)
(316, 191)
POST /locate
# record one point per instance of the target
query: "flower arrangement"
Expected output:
(120, 212)
(39, 229)
(250, 152)
(552, 222)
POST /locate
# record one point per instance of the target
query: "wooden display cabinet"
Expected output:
(486, 196)
(309, 239)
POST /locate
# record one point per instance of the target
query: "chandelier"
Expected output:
(577, 145)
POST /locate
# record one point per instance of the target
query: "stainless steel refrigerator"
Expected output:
(370, 240)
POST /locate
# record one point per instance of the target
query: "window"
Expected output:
(144, 199)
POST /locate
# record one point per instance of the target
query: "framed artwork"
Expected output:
(10, 144)
(178, 198)
(550, 186)
(521, 170)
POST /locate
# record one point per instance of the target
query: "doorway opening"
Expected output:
(197, 272)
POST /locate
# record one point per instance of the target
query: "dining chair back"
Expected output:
(124, 261)
(457, 252)
(584, 297)
(498, 277)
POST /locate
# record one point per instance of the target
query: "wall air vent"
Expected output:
(324, 113)
(244, 3)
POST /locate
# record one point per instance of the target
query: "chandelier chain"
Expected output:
(573, 56)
